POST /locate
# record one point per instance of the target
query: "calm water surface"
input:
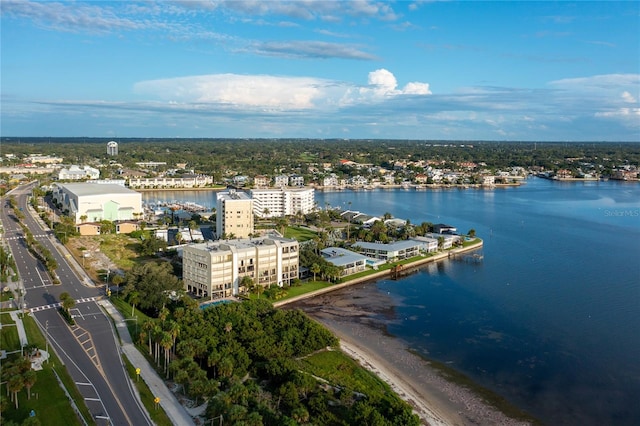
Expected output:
(551, 318)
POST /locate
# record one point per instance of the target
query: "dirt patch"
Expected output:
(87, 251)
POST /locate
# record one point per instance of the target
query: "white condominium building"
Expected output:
(234, 214)
(78, 173)
(282, 201)
(215, 270)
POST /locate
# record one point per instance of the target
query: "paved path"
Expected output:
(176, 412)
(20, 326)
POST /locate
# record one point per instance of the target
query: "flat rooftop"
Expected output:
(83, 189)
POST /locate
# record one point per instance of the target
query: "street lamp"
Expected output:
(106, 283)
(46, 339)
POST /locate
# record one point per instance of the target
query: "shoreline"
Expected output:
(357, 315)
(452, 253)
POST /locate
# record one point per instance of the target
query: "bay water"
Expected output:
(550, 318)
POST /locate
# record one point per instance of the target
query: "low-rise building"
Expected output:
(187, 181)
(280, 181)
(448, 240)
(261, 181)
(389, 252)
(89, 202)
(75, 172)
(215, 270)
(296, 180)
(348, 261)
(43, 159)
(429, 245)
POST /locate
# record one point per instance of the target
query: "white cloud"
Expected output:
(599, 83)
(384, 83)
(416, 88)
(628, 97)
(310, 49)
(275, 93)
(237, 90)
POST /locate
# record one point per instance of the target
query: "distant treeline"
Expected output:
(228, 157)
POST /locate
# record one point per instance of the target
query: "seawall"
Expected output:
(440, 256)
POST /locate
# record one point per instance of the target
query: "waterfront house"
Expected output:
(348, 261)
(429, 245)
(389, 252)
(442, 228)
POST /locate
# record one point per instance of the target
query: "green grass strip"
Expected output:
(156, 412)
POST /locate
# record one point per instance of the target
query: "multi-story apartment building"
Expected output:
(215, 270)
(188, 181)
(234, 214)
(282, 202)
(112, 148)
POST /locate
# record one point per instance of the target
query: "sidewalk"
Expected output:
(176, 412)
(20, 327)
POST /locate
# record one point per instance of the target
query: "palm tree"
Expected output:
(166, 341)
(148, 327)
(192, 225)
(134, 298)
(67, 301)
(164, 313)
(314, 269)
(29, 377)
(174, 330)
(15, 385)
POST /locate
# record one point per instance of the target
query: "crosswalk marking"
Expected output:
(57, 305)
(21, 237)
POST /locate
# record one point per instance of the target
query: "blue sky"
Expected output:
(322, 69)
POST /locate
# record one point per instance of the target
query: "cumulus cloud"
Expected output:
(279, 93)
(383, 83)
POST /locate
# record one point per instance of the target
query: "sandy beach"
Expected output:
(357, 315)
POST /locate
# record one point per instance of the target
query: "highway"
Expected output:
(90, 350)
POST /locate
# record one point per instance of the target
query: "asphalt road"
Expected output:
(89, 350)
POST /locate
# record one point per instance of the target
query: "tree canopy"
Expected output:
(155, 283)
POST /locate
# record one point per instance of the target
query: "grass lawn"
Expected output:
(125, 310)
(300, 234)
(338, 369)
(306, 288)
(48, 400)
(6, 295)
(9, 339)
